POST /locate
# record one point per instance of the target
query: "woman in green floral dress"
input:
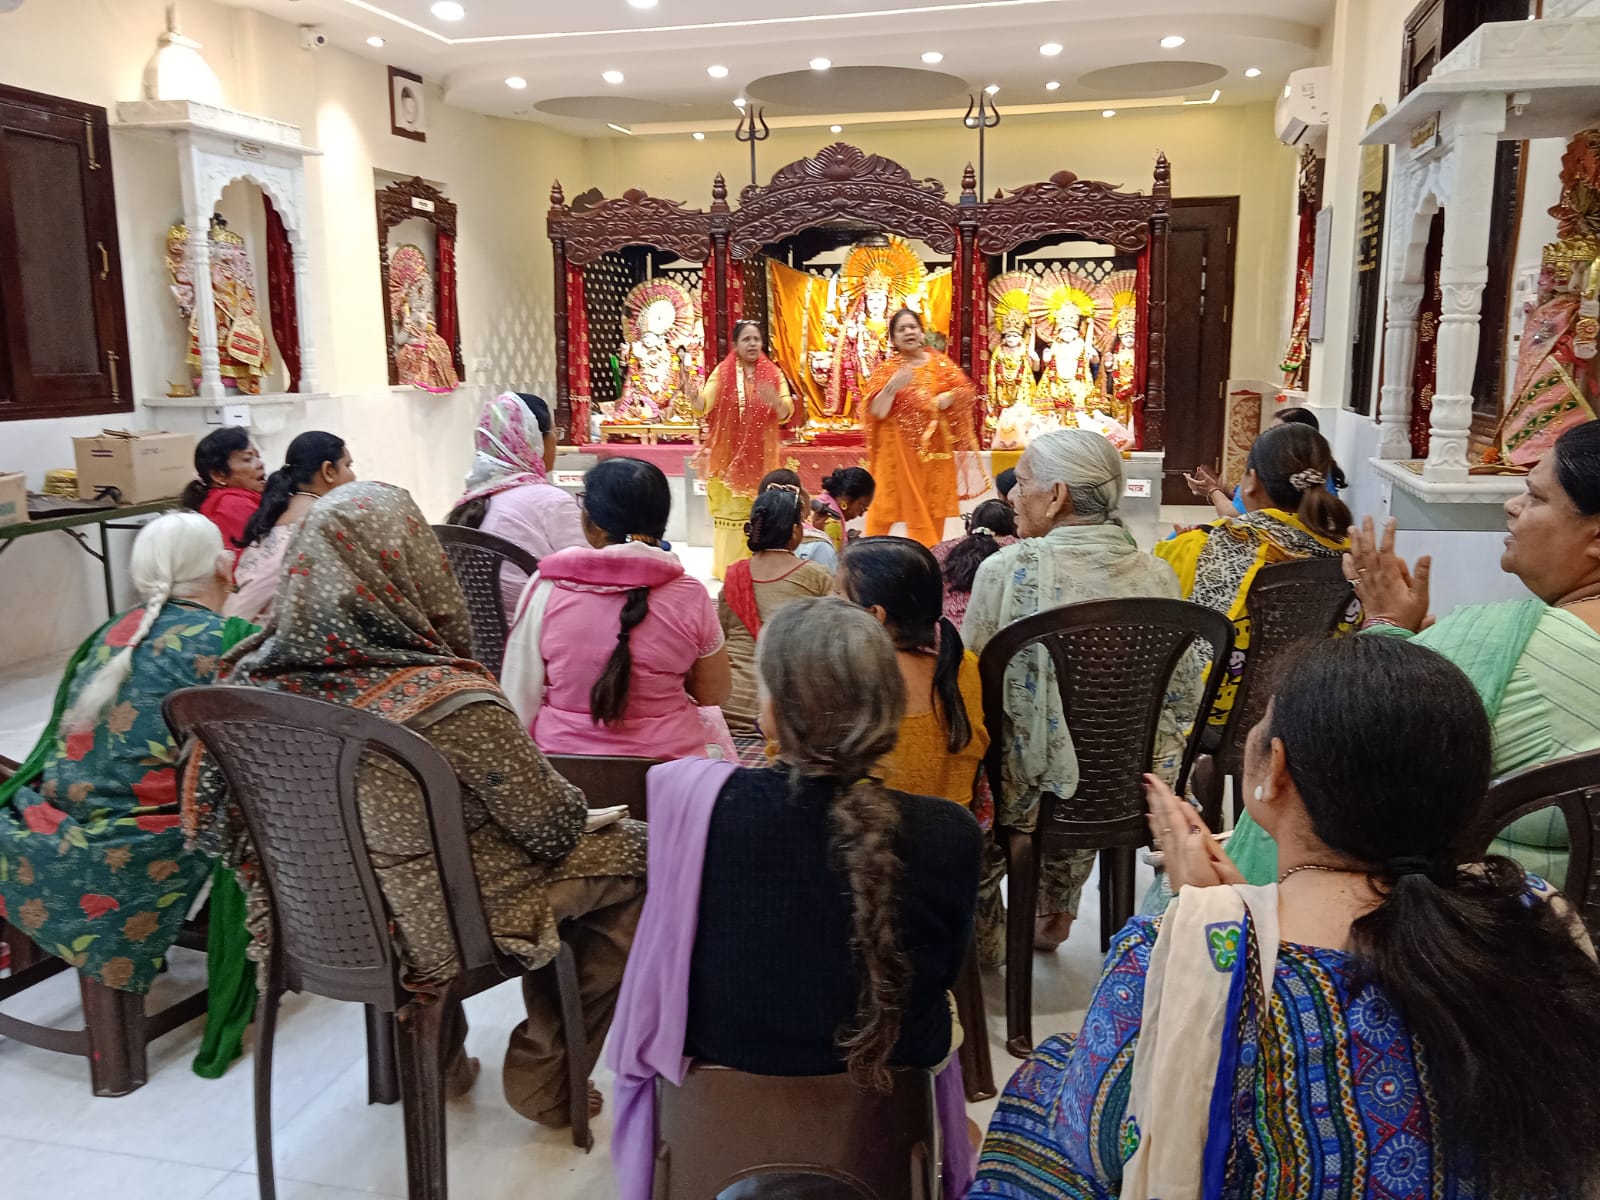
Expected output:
(92, 861)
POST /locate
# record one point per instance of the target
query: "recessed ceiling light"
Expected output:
(375, 42)
(933, 58)
(835, 128)
(619, 128)
(739, 103)
(1051, 86)
(1252, 72)
(717, 72)
(821, 64)
(612, 76)
(992, 88)
(643, 3)
(449, 10)
(1172, 42)
(698, 136)
(516, 83)
(1108, 112)
(1050, 49)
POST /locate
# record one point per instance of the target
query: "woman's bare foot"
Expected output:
(596, 1101)
(1049, 932)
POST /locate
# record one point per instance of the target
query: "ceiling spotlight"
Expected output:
(698, 136)
(1172, 42)
(612, 76)
(1108, 112)
(619, 128)
(933, 58)
(376, 42)
(516, 83)
(449, 10)
(1252, 72)
(992, 88)
(739, 103)
(1050, 49)
(643, 3)
(717, 72)
(1052, 86)
(835, 128)
(821, 64)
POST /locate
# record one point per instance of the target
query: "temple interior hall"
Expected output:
(469, 325)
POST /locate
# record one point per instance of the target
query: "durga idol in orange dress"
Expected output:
(922, 444)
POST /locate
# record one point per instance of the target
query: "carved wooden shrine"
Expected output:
(414, 199)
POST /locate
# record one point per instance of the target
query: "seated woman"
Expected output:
(397, 623)
(990, 527)
(1289, 516)
(644, 690)
(315, 464)
(1074, 548)
(92, 863)
(1535, 662)
(828, 915)
(228, 483)
(509, 493)
(942, 738)
(1228, 500)
(755, 588)
(815, 545)
(848, 493)
(1332, 1034)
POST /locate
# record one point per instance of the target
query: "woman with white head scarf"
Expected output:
(1074, 548)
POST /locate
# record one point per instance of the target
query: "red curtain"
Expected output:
(577, 357)
(449, 323)
(281, 302)
(1425, 375)
(1141, 352)
(735, 269)
(979, 293)
(957, 290)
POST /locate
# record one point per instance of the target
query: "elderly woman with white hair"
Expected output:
(1074, 548)
(92, 861)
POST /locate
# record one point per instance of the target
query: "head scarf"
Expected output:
(510, 449)
(368, 614)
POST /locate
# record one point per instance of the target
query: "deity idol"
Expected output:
(1019, 410)
(1061, 309)
(875, 281)
(1117, 300)
(422, 358)
(241, 343)
(660, 326)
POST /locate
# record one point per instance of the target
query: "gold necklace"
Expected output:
(1578, 601)
(1317, 867)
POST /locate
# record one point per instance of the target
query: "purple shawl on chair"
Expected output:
(653, 1008)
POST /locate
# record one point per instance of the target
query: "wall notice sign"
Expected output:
(699, 487)
(421, 205)
(1425, 137)
(1139, 489)
(254, 151)
(568, 479)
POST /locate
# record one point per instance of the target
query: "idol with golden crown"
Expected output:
(1063, 312)
(1117, 304)
(877, 280)
(241, 343)
(1019, 411)
(422, 359)
(659, 321)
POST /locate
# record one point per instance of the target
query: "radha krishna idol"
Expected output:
(422, 358)
(659, 322)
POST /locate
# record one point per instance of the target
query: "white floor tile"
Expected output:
(40, 1171)
(241, 1186)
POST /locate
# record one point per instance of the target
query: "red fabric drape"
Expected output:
(1425, 375)
(1141, 342)
(739, 590)
(735, 270)
(978, 290)
(281, 300)
(577, 357)
(958, 272)
(449, 323)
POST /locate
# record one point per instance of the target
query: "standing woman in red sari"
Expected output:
(745, 403)
(921, 440)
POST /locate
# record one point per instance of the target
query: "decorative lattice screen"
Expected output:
(606, 281)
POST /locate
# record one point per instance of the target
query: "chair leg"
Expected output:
(1022, 887)
(977, 1068)
(575, 1033)
(421, 1030)
(115, 1023)
(383, 1068)
(1117, 900)
(266, 1032)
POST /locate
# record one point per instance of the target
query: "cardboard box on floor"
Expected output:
(142, 466)
(13, 497)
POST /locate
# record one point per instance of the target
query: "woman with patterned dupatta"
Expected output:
(744, 404)
(921, 441)
(1382, 1020)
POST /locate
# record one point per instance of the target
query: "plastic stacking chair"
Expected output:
(608, 780)
(290, 763)
(722, 1126)
(1286, 603)
(1113, 662)
(477, 558)
(1570, 784)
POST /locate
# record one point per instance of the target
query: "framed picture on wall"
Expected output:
(408, 112)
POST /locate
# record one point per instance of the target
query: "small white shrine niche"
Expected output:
(1508, 81)
(218, 147)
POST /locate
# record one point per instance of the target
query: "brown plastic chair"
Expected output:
(1113, 661)
(290, 763)
(608, 780)
(116, 1032)
(476, 558)
(1286, 603)
(977, 1065)
(1571, 784)
(722, 1126)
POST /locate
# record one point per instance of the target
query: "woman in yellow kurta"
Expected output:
(1289, 515)
(748, 401)
(921, 441)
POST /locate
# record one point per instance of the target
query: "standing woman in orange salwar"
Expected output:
(921, 442)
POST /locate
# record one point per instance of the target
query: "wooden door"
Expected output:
(1200, 254)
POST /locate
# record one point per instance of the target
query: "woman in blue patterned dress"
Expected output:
(1383, 1023)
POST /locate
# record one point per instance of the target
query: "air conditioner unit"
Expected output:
(1302, 114)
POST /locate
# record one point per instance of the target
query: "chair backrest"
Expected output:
(1570, 784)
(1113, 661)
(722, 1126)
(607, 780)
(1286, 603)
(476, 558)
(290, 763)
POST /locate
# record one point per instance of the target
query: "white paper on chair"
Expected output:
(599, 818)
